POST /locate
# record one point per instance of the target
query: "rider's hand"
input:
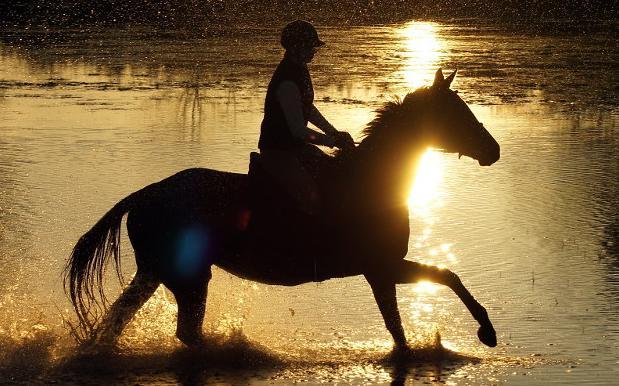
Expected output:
(344, 141)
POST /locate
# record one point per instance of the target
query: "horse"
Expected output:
(182, 225)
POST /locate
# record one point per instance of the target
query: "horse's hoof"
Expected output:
(487, 335)
(192, 341)
(95, 347)
(400, 352)
(401, 347)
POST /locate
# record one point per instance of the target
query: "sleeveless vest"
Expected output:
(274, 131)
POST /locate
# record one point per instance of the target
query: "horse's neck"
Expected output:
(370, 202)
(387, 175)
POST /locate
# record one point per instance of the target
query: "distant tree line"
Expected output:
(192, 14)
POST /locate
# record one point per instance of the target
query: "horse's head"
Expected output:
(450, 125)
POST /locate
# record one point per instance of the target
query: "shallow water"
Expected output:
(88, 118)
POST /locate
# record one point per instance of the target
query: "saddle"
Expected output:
(265, 194)
(266, 190)
(276, 216)
(282, 234)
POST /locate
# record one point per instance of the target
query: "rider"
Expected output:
(285, 139)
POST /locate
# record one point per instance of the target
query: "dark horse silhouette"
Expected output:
(181, 226)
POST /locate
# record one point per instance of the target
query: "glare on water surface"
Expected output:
(424, 197)
(425, 192)
(422, 52)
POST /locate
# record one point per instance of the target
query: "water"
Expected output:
(88, 118)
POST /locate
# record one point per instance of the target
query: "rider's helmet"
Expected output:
(300, 33)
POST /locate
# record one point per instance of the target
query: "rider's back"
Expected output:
(274, 131)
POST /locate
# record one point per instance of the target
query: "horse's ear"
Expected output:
(438, 78)
(450, 78)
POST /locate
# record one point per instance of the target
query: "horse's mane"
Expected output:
(390, 117)
(393, 114)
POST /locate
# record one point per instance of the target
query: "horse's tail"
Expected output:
(84, 272)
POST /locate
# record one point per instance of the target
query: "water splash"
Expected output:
(149, 353)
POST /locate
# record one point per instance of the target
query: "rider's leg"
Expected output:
(312, 158)
(411, 272)
(284, 166)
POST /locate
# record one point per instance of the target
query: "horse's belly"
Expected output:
(268, 270)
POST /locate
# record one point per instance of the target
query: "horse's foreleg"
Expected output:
(410, 272)
(385, 295)
(122, 310)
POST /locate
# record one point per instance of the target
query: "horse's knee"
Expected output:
(448, 277)
(439, 275)
(191, 301)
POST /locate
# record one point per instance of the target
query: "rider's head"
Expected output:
(300, 39)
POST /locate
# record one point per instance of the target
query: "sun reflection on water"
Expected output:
(425, 192)
(422, 50)
(424, 197)
(425, 287)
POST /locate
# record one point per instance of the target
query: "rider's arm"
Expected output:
(318, 120)
(289, 99)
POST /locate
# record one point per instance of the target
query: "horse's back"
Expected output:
(201, 183)
(198, 196)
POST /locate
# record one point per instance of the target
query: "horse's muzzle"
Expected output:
(491, 156)
(491, 153)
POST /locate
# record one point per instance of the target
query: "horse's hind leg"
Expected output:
(122, 310)
(411, 272)
(191, 300)
(191, 309)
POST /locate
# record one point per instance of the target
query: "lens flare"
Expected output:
(191, 251)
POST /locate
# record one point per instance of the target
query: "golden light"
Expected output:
(425, 195)
(449, 345)
(425, 287)
(426, 186)
(422, 50)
